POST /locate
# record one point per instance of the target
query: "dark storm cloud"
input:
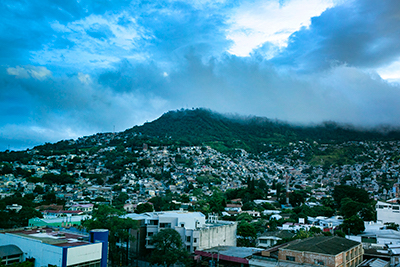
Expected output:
(362, 33)
(73, 68)
(255, 86)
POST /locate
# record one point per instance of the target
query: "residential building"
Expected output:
(83, 207)
(270, 239)
(197, 233)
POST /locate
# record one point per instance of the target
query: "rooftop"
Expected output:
(239, 252)
(51, 237)
(331, 245)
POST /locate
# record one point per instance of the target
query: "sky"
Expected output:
(78, 67)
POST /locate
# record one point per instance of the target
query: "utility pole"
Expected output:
(218, 257)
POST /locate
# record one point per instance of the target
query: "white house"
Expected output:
(83, 207)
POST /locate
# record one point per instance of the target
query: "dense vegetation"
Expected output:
(254, 134)
(222, 132)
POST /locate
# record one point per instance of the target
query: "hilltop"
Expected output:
(254, 134)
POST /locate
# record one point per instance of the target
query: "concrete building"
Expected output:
(388, 212)
(46, 247)
(329, 251)
(197, 233)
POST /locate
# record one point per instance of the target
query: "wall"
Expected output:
(221, 235)
(354, 257)
(339, 259)
(388, 212)
(84, 253)
(306, 257)
(44, 254)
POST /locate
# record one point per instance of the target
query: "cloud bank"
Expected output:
(77, 67)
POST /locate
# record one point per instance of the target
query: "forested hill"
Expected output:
(202, 126)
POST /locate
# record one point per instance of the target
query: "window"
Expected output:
(290, 258)
(165, 225)
(395, 207)
(87, 264)
(188, 239)
(153, 222)
(195, 240)
(319, 262)
(188, 248)
(149, 234)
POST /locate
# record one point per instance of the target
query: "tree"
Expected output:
(144, 207)
(38, 190)
(355, 194)
(302, 234)
(348, 207)
(353, 225)
(217, 202)
(120, 200)
(168, 248)
(392, 226)
(246, 229)
(298, 197)
(340, 233)
(244, 217)
(106, 217)
(247, 233)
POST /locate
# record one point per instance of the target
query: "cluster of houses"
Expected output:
(157, 170)
(209, 240)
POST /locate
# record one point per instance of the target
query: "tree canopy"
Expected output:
(106, 217)
(168, 248)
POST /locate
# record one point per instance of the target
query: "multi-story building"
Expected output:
(331, 251)
(197, 233)
(46, 247)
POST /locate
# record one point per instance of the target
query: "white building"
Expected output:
(47, 247)
(83, 207)
(197, 233)
(388, 212)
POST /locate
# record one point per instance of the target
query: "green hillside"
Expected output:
(254, 134)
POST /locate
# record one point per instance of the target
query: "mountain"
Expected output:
(328, 142)
(254, 134)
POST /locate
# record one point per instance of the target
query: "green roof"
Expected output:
(330, 245)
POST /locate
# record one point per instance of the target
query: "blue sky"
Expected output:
(75, 68)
